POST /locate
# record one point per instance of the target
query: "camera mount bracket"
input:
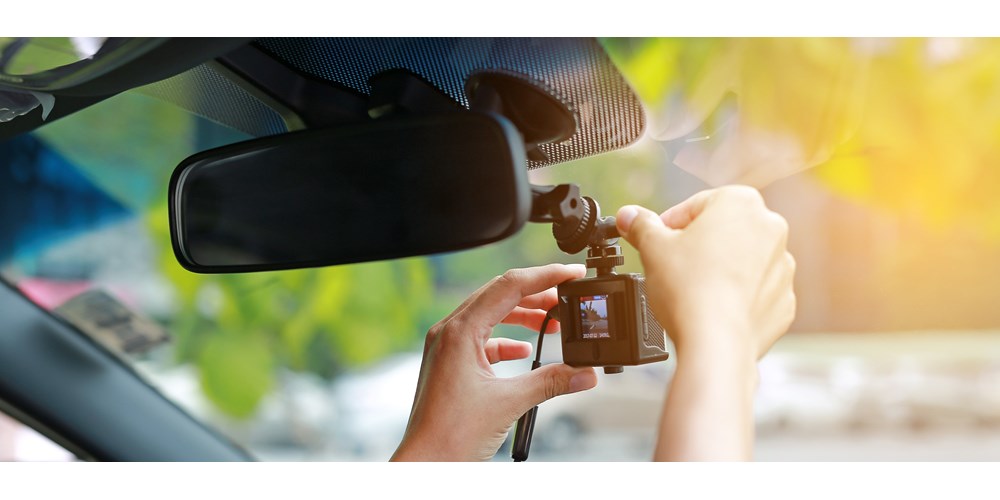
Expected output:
(577, 224)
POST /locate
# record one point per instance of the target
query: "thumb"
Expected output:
(549, 381)
(640, 226)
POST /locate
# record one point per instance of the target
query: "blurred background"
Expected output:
(881, 154)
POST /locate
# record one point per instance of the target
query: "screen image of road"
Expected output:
(594, 317)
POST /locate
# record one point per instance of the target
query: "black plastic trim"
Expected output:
(318, 103)
(166, 59)
(60, 381)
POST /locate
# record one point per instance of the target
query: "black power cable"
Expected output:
(526, 424)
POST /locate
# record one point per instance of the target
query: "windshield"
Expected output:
(880, 154)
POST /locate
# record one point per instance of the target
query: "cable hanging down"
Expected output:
(526, 424)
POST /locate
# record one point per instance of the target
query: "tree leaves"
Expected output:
(907, 125)
(236, 371)
(240, 328)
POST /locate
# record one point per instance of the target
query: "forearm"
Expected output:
(708, 413)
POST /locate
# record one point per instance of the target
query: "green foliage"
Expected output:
(910, 126)
(39, 55)
(237, 369)
(239, 328)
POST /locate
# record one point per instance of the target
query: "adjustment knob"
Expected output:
(573, 235)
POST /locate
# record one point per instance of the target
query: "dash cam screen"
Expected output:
(594, 317)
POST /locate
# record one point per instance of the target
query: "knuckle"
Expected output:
(433, 333)
(451, 330)
(493, 282)
(792, 264)
(640, 226)
(553, 385)
(742, 194)
(509, 278)
(775, 227)
(779, 222)
(644, 234)
(636, 236)
(433, 339)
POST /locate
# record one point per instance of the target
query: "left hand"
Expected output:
(461, 410)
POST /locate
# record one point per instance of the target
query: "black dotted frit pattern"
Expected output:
(608, 113)
(203, 91)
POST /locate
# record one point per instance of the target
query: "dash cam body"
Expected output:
(606, 321)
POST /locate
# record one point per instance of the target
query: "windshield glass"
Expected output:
(28, 56)
(879, 153)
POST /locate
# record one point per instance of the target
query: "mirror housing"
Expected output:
(390, 188)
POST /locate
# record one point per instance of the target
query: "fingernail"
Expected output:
(581, 381)
(625, 217)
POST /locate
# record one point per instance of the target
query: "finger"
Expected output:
(542, 300)
(530, 319)
(547, 382)
(684, 213)
(503, 294)
(465, 303)
(501, 349)
(641, 227)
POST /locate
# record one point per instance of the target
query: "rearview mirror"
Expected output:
(390, 188)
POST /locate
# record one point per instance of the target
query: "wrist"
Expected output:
(719, 348)
(409, 451)
(416, 447)
(714, 332)
(434, 446)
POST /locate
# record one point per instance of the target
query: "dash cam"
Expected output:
(605, 319)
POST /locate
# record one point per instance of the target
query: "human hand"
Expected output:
(718, 275)
(461, 410)
(719, 280)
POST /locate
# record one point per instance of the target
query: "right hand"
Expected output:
(718, 275)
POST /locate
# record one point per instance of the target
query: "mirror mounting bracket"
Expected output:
(399, 91)
(536, 110)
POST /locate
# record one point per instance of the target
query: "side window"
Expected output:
(20, 443)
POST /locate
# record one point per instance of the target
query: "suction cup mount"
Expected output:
(536, 110)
